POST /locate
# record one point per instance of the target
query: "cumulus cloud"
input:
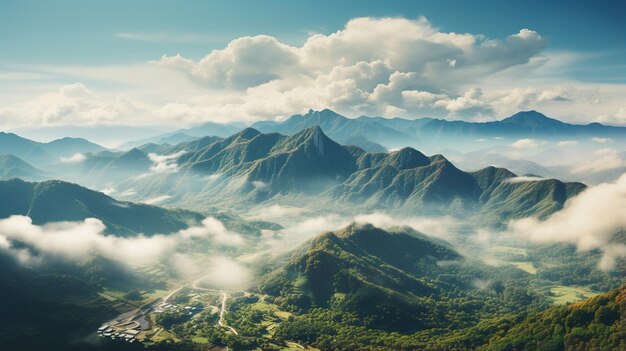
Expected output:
(525, 144)
(407, 45)
(589, 220)
(245, 62)
(76, 158)
(470, 103)
(76, 241)
(414, 69)
(344, 68)
(71, 104)
(524, 98)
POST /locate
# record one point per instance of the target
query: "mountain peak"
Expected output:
(313, 136)
(247, 133)
(407, 158)
(323, 115)
(531, 117)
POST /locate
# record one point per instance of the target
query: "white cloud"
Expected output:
(601, 140)
(470, 103)
(165, 163)
(276, 212)
(76, 158)
(414, 69)
(259, 185)
(344, 68)
(605, 159)
(76, 241)
(108, 190)
(567, 143)
(72, 104)
(216, 229)
(245, 62)
(441, 227)
(156, 200)
(224, 273)
(525, 144)
(618, 117)
(588, 220)
(524, 179)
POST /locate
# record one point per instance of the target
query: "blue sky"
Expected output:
(86, 31)
(60, 60)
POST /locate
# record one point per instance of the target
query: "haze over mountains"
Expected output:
(257, 167)
(558, 148)
(396, 132)
(42, 154)
(318, 230)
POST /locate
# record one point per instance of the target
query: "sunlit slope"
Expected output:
(598, 323)
(53, 201)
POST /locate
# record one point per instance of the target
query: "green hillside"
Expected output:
(52, 201)
(253, 167)
(598, 323)
(388, 280)
(13, 167)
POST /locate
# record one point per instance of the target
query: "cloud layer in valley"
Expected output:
(589, 220)
(77, 241)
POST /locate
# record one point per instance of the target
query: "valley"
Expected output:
(406, 175)
(265, 241)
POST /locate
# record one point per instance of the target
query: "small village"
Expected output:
(129, 325)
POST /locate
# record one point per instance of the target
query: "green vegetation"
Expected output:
(51, 201)
(595, 324)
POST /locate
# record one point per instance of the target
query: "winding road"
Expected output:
(220, 322)
(133, 315)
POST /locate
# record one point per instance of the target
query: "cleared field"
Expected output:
(561, 294)
(200, 340)
(528, 267)
(292, 346)
(283, 314)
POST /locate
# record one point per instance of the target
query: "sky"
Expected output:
(164, 64)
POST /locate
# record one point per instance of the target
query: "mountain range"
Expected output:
(43, 154)
(55, 201)
(188, 134)
(14, 167)
(394, 132)
(256, 167)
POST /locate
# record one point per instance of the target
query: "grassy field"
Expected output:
(292, 346)
(200, 340)
(561, 294)
(528, 267)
